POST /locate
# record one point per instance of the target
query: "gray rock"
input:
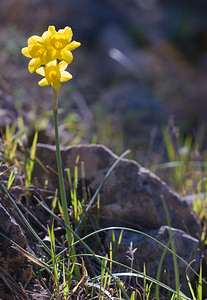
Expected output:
(10, 259)
(14, 267)
(150, 252)
(132, 195)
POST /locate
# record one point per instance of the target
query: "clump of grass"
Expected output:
(77, 203)
(108, 284)
(184, 167)
(17, 153)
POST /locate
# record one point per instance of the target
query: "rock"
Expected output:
(14, 267)
(11, 260)
(131, 196)
(150, 253)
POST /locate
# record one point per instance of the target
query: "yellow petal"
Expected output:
(66, 56)
(46, 35)
(41, 71)
(51, 30)
(34, 40)
(56, 85)
(73, 45)
(43, 82)
(62, 66)
(67, 31)
(25, 52)
(52, 63)
(34, 64)
(65, 76)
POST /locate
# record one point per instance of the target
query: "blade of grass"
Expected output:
(54, 260)
(190, 287)
(199, 289)
(177, 282)
(30, 162)
(159, 270)
(10, 180)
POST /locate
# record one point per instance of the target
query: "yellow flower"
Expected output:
(59, 44)
(36, 51)
(54, 74)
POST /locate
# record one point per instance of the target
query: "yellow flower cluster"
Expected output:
(53, 51)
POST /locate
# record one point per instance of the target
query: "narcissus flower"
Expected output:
(53, 46)
(59, 44)
(54, 74)
(36, 50)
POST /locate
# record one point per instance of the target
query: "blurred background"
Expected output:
(141, 69)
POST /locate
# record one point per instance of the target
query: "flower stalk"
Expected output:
(63, 199)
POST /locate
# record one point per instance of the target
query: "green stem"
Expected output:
(61, 182)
